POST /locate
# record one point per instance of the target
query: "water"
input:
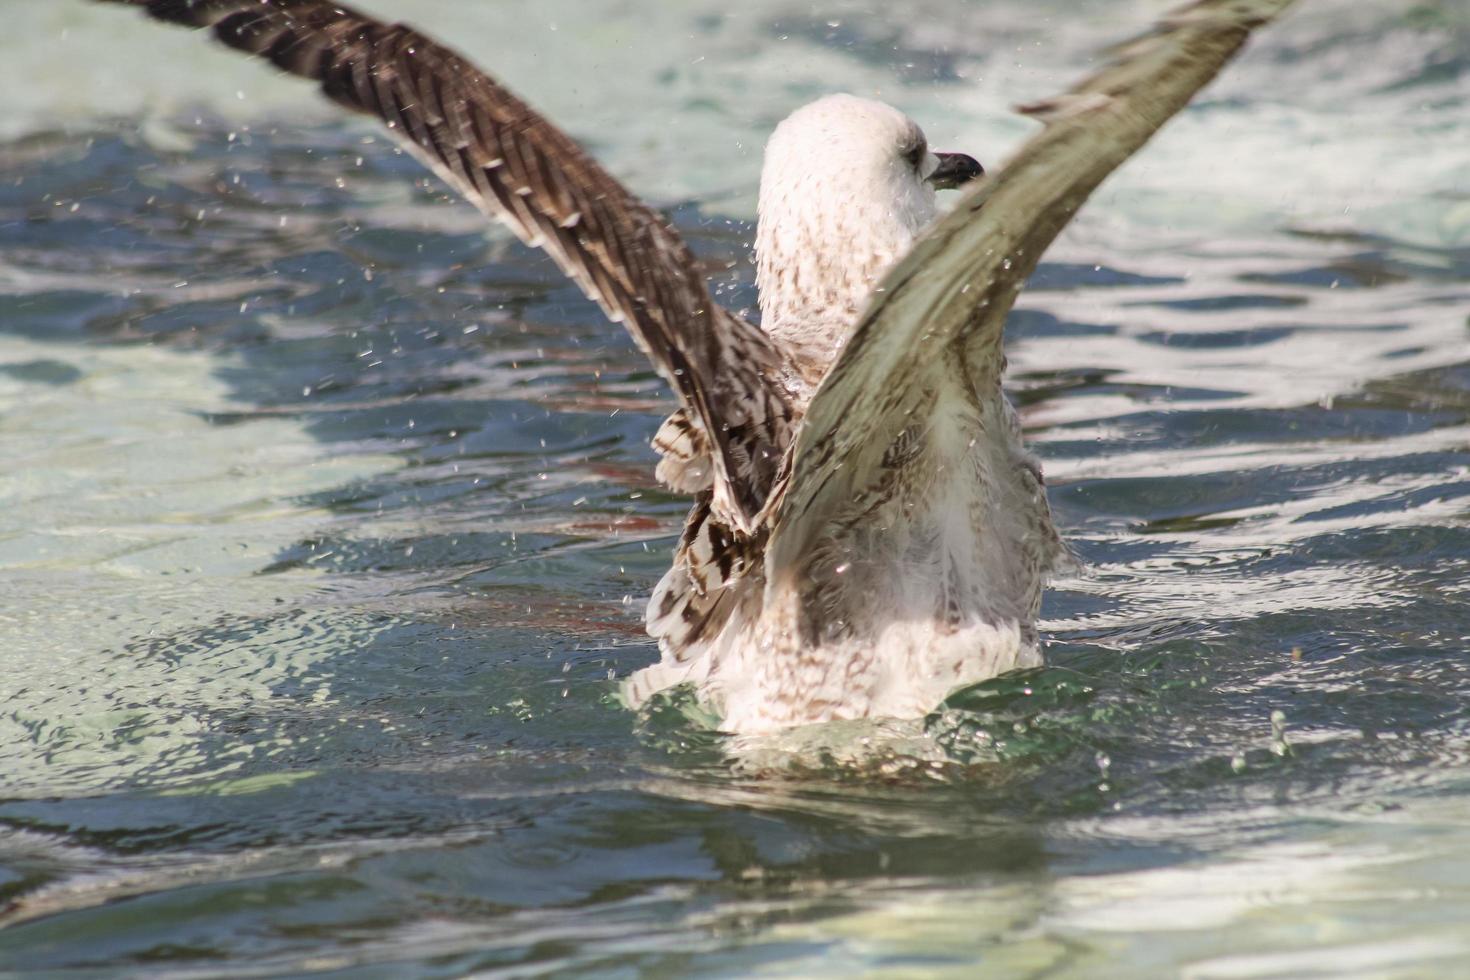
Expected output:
(325, 516)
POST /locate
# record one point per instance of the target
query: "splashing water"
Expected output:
(323, 505)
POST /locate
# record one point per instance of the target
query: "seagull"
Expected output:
(868, 532)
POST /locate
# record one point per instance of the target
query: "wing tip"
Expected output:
(1246, 13)
(1243, 16)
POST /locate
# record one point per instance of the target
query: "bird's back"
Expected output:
(929, 579)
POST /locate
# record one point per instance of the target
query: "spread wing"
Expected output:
(518, 168)
(947, 300)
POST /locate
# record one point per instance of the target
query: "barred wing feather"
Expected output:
(520, 169)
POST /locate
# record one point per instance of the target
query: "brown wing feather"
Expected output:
(517, 167)
(949, 297)
(714, 570)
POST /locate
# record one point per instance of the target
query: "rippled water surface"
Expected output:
(326, 516)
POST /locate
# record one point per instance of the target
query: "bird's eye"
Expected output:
(915, 154)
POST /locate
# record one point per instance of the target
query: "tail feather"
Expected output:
(686, 465)
(715, 569)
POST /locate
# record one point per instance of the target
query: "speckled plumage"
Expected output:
(930, 577)
(868, 532)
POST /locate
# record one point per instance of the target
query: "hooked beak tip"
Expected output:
(955, 170)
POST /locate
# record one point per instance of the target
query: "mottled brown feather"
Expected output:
(517, 167)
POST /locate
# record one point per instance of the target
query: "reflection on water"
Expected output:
(326, 517)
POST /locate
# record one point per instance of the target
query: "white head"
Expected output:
(847, 185)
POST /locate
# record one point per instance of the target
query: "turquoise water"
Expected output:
(326, 515)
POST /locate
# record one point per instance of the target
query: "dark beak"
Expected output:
(954, 170)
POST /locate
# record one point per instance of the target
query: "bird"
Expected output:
(868, 532)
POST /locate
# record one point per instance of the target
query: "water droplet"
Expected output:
(1279, 746)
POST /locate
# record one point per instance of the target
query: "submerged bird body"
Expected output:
(932, 578)
(868, 532)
